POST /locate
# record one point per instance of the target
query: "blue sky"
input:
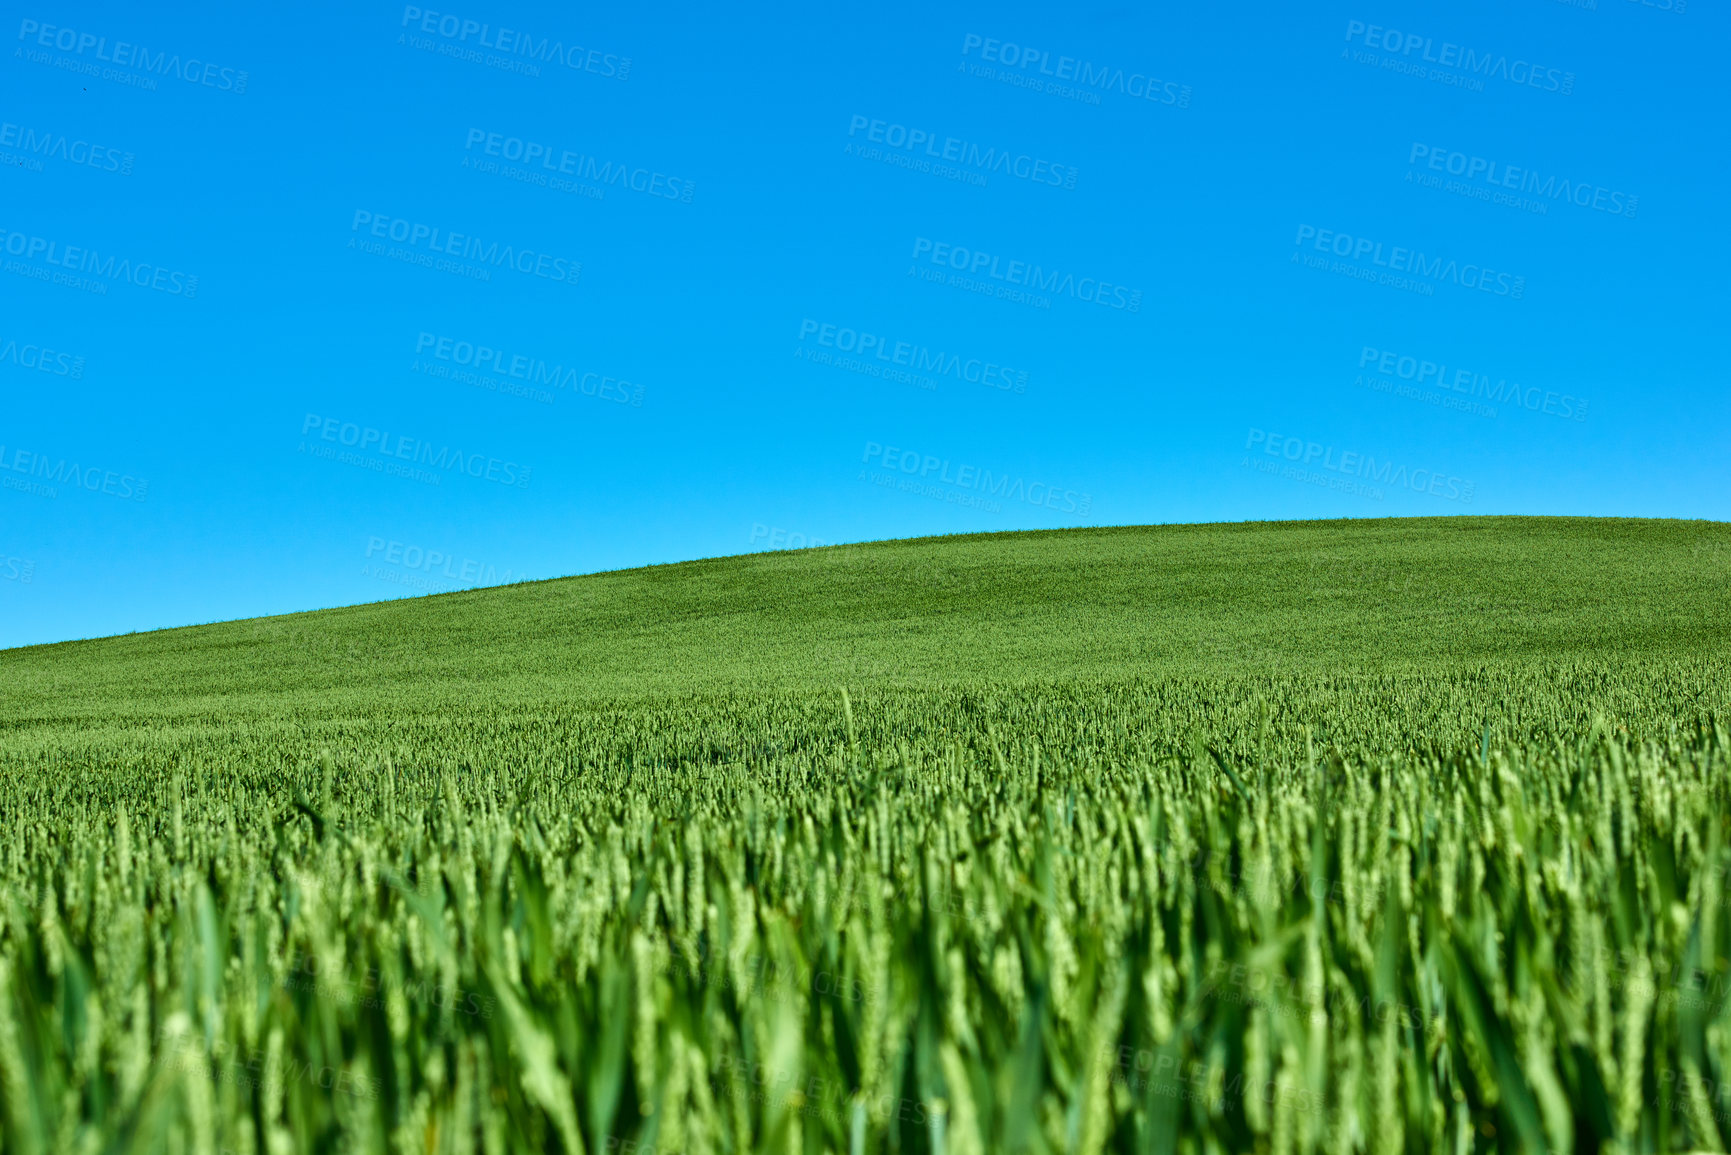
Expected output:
(327, 304)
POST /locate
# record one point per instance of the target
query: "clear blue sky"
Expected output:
(313, 305)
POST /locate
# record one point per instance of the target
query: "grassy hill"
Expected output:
(1372, 836)
(1385, 596)
(707, 661)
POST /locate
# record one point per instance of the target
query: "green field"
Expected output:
(1398, 835)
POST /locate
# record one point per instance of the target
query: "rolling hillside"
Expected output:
(1251, 599)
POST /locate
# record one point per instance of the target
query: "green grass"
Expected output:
(1378, 835)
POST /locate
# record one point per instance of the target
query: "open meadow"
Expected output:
(1382, 836)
